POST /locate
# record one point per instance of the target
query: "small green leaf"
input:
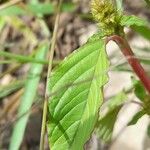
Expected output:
(132, 20)
(106, 123)
(136, 117)
(119, 99)
(144, 31)
(140, 91)
(73, 111)
(148, 130)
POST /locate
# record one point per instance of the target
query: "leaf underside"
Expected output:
(73, 111)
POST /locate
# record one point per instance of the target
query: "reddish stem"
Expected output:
(133, 61)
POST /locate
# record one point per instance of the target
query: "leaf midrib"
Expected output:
(86, 101)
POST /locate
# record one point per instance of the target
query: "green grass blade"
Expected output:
(73, 112)
(22, 59)
(28, 98)
(35, 9)
(8, 89)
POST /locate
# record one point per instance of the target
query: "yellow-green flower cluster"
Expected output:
(106, 15)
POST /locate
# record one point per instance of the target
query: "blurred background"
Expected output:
(26, 29)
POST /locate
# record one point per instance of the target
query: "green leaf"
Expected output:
(136, 117)
(148, 130)
(144, 31)
(35, 9)
(132, 20)
(139, 90)
(137, 24)
(28, 98)
(117, 100)
(106, 123)
(73, 111)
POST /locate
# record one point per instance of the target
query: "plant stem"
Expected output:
(45, 107)
(132, 60)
